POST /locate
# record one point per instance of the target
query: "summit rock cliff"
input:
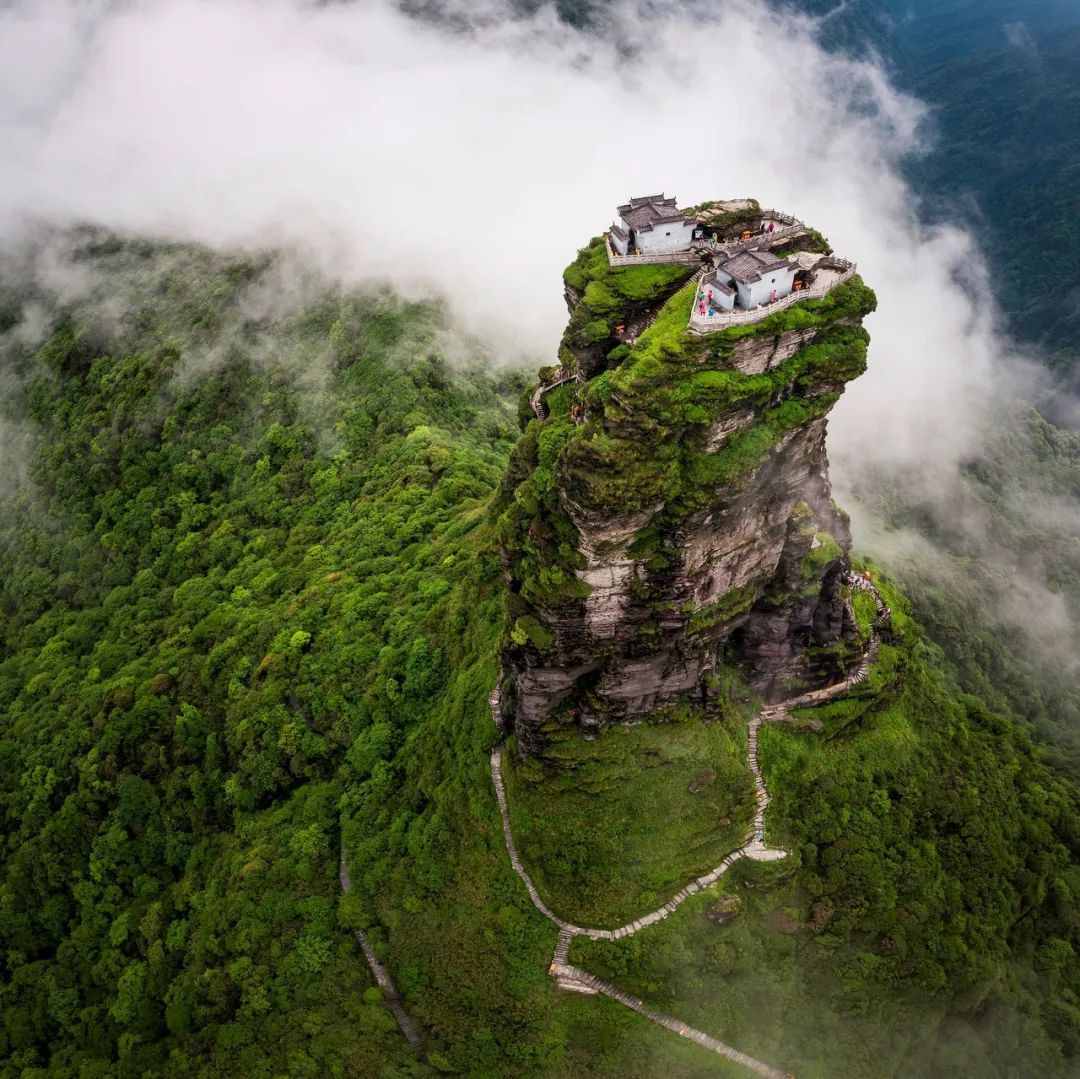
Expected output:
(669, 508)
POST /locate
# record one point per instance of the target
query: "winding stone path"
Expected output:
(581, 981)
(577, 980)
(574, 979)
(780, 713)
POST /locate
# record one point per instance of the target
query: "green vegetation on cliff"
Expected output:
(642, 442)
(533, 522)
(609, 297)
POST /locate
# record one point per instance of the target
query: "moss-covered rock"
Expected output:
(610, 304)
(683, 508)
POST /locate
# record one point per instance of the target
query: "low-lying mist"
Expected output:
(469, 159)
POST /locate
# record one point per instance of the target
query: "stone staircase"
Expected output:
(754, 848)
(536, 401)
(511, 849)
(495, 704)
(575, 979)
(780, 713)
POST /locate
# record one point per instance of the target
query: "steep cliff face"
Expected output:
(675, 505)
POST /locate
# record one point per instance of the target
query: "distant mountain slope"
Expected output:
(242, 565)
(1003, 83)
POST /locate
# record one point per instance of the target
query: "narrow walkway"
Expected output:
(574, 979)
(780, 713)
(540, 410)
(790, 229)
(391, 997)
(577, 980)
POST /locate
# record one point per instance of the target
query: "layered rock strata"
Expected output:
(674, 509)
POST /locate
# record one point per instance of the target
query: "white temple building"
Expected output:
(652, 225)
(750, 278)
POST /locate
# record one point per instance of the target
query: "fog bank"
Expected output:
(472, 162)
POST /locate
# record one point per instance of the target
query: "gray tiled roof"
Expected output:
(666, 219)
(714, 282)
(645, 200)
(749, 266)
(642, 212)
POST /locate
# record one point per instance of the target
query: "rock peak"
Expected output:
(669, 502)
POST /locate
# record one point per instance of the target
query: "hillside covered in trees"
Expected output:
(251, 608)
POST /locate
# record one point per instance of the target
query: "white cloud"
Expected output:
(1020, 37)
(474, 162)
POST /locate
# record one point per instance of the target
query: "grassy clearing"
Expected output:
(609, 829)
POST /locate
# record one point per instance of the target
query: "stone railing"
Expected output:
(689, 257)
(779, 215)
(721, 320)
(759, 239)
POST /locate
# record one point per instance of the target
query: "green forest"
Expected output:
(251, 608)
